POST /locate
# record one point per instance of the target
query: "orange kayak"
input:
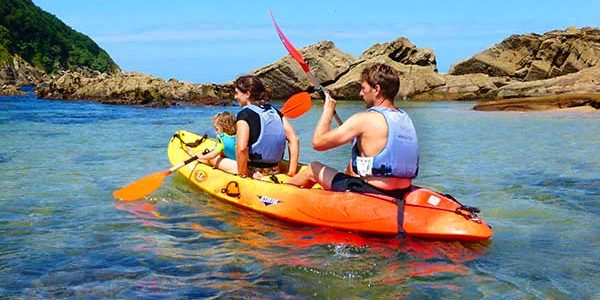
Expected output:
(422, 213)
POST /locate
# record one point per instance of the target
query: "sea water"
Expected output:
(535, 176)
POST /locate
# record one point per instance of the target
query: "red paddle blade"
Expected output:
(297, 105)
(141, 188)
(288, 45)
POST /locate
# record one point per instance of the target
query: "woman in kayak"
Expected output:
(262, 132)
(222, 155)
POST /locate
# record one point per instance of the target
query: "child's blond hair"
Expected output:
(226, 121)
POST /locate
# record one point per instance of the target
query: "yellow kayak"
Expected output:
(422, 212)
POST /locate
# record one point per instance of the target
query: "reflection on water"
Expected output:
(62, 235)
(253, 251)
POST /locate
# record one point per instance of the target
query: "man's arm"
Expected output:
(326, 138)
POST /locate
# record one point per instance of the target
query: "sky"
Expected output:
(217, 41)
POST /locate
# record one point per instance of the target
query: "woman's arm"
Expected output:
(294, 146)
(241, 147)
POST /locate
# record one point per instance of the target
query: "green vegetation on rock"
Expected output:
(45, 42)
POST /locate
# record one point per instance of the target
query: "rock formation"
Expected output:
(132, 89)
(541, 103)
(413, 79)
(533, 57)
(419, 79)
(18, 72)
(585, 81)
(285, 77)
(403, 51)
(511, 69)
(576, 89)
(462, 87)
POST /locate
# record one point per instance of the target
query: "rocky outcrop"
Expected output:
(462, 87)
(132, 89)
(340, 72)
(413, 79)
(534, 57)
(572, 90)
(18, 72)
(285, 77)
(403, 51)
(10, 90)
(560, 101)
(585, 81)
(516, 59)
(419, 79)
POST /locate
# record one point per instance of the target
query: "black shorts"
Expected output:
(343, 182)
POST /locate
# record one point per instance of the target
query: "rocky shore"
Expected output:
(526, 72)
(131, 89)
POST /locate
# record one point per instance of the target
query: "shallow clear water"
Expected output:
(535, 176)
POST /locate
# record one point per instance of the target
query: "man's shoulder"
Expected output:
(366, 116)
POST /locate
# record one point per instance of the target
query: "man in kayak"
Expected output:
(262, 132)
(385, 154)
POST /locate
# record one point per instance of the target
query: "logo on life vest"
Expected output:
(268, 200)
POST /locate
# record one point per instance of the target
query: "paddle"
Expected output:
(147, 185)
(297, 105)
(298, 57)
(294, 107)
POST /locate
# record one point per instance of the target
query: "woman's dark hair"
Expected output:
(252, 84)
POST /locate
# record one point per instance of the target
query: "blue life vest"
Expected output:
(399, 157)
(270, 145)
(228, 142)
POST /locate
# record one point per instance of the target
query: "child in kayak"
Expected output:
(222, 155)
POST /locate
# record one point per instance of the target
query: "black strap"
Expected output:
(398, 194)
(400, 204)
(193, 144)
(469, 212)
(274, 179)
(261, 165)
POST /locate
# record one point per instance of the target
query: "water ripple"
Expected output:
(62, 235)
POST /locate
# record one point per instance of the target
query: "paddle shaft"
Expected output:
(321, 91)
(297, 56)
(187, 161)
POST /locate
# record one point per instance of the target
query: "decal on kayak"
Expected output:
(433, 200)
(200, 175)
(268, 200)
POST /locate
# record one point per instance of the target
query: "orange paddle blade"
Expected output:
(288, 45)
(297, 105)
(141, 188)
